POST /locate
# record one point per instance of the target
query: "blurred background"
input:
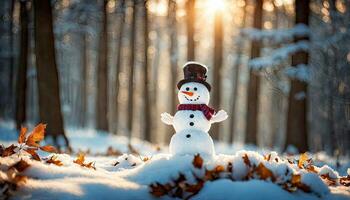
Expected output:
(280, 68)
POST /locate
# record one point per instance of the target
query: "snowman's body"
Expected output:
(192, 126)
(191, 141)
(189, 119)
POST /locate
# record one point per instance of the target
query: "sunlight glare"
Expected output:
(159, 7)
(215, 5)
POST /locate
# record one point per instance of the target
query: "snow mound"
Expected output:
(244, 175)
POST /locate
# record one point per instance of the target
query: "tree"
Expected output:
(297, 108)
(131, 70)
(47, 74)
(147, 105)
(174, 57)
(12, 55)
(21, 86)
(102, 76)
(84, 88)
(218, 54)
(254, 81)
(190, 22)
(119, 59)
(236, 66)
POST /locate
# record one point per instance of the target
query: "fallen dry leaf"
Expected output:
(246, 160)
(264, 172)
(53, 160)
(22, 135)
(33, 153)
(302, 159)
(48, 148)
(197, 161)
(345, 181)
(20, 166)
(36, 136)
(9, 151)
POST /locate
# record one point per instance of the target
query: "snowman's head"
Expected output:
(193, 93)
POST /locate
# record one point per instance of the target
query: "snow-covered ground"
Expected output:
(232, 174)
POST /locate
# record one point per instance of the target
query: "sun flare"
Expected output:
(215, 5)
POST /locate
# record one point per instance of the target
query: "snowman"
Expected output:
(194, 117)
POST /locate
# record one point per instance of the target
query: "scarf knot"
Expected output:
(207, 111)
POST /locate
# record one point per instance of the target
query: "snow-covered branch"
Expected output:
(300, 72)
(277, 35)
(278, 55)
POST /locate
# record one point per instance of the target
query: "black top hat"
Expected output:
(194, 72)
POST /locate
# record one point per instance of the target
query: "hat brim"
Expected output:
(183, 81)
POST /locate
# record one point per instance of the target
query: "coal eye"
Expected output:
(187, 89)
(195, 89)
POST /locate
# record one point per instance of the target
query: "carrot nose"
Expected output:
(188, 93)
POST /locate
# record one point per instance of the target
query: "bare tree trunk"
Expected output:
(254, 82)
(218, 54)
(236, 71)
(84, 92)
(174, 56)
(147, 105)
(131, 72)
(102, 76)
(297, 108)
(333, 140)
(190, 22)
(119, 61)
(47, 74)
(21, 86)
(12, 58)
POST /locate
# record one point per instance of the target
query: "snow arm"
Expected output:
(219, 117)
(167, 118)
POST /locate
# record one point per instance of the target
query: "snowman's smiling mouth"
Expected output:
(194, 99)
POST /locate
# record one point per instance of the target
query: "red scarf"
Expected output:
(207, 111)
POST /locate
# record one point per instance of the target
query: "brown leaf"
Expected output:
(48, 148)
(195, 188)
(36, 136)
(158, 190)
(302, 159)
(311, 168)
(345, 181)
(53, 160)
(32, 152)
(22, 135)
(91, 165)
(296, 179)
(197, 161)
(215, 173)
(264, 172)
(246, 160)
(9, 151)
(20, 166)
(229, 167)
(267, 157)
(219, 169)
(330, 181)
(19, 179)
(145, 159)
(80, 160)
